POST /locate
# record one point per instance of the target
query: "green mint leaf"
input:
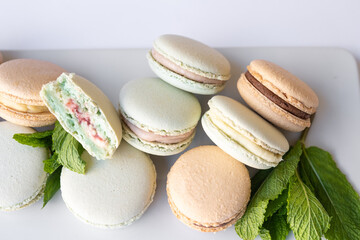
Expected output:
(336, 194)
(52, 186)
(70, 155)
(265, 234)
(277, 226)
(51, 164)
(276, 204)
(38, 139)
(248, 227)
(282, 210)
(258, 179)
(306, 216)
(58, 137)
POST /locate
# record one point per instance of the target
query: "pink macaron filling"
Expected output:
(153, 137)
(84, 118)
(179, 70)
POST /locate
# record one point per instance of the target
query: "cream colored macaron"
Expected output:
(207, 189)
(188, 64)
(243, 134)
(158, 118)
(20, 84)
(277, 95)
(22, 178)
(113, 193)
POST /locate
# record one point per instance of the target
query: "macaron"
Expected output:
(85, 112)
(20, 84)
(277, 95)
(112, 193)
(158, 118)
(22, 178)
(188, 64)
(207, 189)
(1, 58)
(243, 134)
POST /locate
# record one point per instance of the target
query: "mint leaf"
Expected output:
(248, 227)
(58, 137)
(265, 234)
(52, 186)
(70, 155)
(306, 216)
(276, 204)
(258, 179)
(336, 194)
(38, 139)
(51, 164)
(277, 226)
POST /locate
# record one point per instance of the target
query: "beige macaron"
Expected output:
(20, 84)
(207, 189)
(277, 95)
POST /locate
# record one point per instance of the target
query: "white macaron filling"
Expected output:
(182, 71)
(21, 107)
(243, 137)
(81, 116)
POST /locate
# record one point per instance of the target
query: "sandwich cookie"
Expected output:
(207, 189)
(112, 193)
(277, 95)
(20, 84)
(22, 178)
(243, 134)
(158, 118)
(189, 65)
(85, 112)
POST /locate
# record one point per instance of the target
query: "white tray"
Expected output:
(331, 72)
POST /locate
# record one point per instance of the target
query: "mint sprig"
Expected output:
(65, 151)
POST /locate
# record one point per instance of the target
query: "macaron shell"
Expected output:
(155, 148)
(153, 105)
(27, 119)
(193, 56)
(22, 79)
(244, 118)
(208, 187)
(268, 109)
(182, 82)
(22, 178)
(113, 193)
(233, 148)
(285, 85)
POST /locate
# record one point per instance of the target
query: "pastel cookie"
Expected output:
(22, 178)
(112, 193)
(277, 95)
(20, 84)
(243, 134)
(207, 189)
(85, 112)
(158, 118)
(188, 64)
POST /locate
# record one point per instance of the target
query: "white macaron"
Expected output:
(188, 64)
(158, 118)
(243, 134)
(22, 178)
(112, 193)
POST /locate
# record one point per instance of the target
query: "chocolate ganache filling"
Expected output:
(276, 99)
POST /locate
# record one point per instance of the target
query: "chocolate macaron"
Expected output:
(277, 95)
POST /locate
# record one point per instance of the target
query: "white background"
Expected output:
(71, 24)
